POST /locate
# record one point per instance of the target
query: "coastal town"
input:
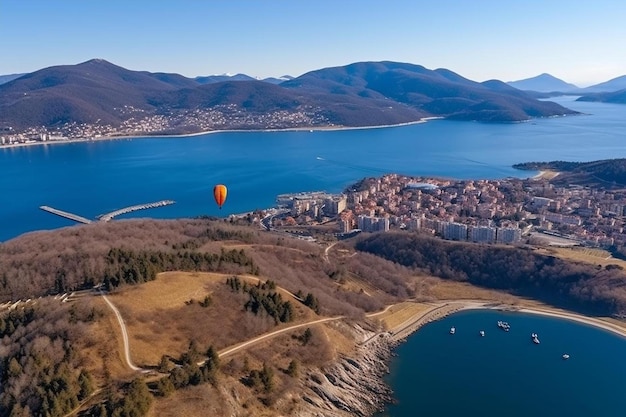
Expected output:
(506, 211)
(138, 122)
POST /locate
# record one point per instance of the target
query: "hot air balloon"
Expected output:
(219, 192)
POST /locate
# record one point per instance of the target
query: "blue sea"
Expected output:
(505, 373)
(93, 178)
(502, 374)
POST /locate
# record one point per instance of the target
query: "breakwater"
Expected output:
(66, 214)
(108, 216)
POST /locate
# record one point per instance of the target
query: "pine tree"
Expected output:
(293, 369)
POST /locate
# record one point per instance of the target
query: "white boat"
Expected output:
(504, 325)
(565, 356)
(482, 332)
(452, 330)
(535, 338)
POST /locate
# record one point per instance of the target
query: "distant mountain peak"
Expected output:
(544, 83)
(210, 79)
(614, 84)
(97, 61)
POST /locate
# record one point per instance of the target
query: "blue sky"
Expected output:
(582, 43)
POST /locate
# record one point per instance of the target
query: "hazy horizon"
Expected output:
(479, 40)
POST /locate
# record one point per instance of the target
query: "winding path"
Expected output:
(326, 250)
(257, 339)
(120, 320)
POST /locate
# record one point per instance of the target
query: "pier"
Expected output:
(65, 214)
(109, 216)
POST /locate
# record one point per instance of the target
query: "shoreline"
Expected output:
(445, 308)
(311, 129)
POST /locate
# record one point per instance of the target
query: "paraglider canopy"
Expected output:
(219, 193)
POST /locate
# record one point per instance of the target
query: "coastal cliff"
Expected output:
(354, 385)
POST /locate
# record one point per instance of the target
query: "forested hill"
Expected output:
(520, 271)
(617, 97)
(130, 252)
(55, 354)
(604, 173)
(360, 94)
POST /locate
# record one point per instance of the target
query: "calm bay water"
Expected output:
(94, 178)
(506, 374)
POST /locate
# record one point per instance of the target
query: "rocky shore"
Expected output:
(352, 386)
(355, 386)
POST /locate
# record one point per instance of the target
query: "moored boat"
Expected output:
(535, 338)
(452, 330)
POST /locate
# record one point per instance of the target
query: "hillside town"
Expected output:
(504, 211)
(138, 122)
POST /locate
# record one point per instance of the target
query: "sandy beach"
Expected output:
(547, 174)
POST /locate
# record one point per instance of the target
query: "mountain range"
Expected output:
(359, 94)
(210, 79)
(546, 83)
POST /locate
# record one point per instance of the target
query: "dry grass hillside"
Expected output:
(221, 319)
(180, 312)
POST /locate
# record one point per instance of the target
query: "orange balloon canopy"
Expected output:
(219, 192)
